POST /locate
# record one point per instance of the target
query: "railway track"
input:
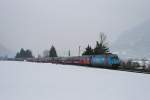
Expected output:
(119, 69)
(134, 70)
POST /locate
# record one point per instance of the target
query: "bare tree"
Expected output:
(103, 39)
(46, 53)
(101, 46)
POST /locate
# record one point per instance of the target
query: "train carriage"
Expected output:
(85, 60)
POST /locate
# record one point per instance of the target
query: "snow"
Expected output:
(39, 81)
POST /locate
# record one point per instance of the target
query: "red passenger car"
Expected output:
(85, 60)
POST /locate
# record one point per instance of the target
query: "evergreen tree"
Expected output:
(52, 52)
(28, 54)
(88, 51)
(101, 46)
(24, 54)
(17, 55)
(100, 49)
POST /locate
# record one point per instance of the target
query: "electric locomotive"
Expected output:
(106, 61)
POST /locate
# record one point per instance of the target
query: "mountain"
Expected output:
(134, 42)
(4, 51)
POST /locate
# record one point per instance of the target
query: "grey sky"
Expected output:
(37, 24)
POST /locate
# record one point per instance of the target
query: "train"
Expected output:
(102, 61)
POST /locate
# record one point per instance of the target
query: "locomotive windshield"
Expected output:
(115, 57)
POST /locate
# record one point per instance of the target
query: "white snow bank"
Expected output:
(38, 81)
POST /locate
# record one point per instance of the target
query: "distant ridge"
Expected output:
(134, 42)
(4, 51)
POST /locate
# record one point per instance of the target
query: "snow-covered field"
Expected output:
(38, 81)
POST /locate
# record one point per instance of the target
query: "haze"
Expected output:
(66, 24)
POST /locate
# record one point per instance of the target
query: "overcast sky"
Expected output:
(37, 24)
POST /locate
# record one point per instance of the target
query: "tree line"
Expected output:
(100, 48)
(24, 54)
(28, 53)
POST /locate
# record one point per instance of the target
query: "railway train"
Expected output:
(105, 60)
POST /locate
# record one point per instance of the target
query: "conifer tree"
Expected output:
(100, 49)
(28, 54)
(101, 46)
(52, 52)
(88, 51)
(24, 54)
(17, 55)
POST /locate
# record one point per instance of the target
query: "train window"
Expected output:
(114, 57)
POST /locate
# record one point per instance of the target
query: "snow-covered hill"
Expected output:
(134, 42)
(38, 81)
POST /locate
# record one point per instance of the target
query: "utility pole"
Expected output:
(100, 37)
(79, 50)
(69, 53)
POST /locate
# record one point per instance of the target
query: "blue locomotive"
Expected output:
(108, 60)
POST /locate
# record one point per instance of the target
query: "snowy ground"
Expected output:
(38, 81)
